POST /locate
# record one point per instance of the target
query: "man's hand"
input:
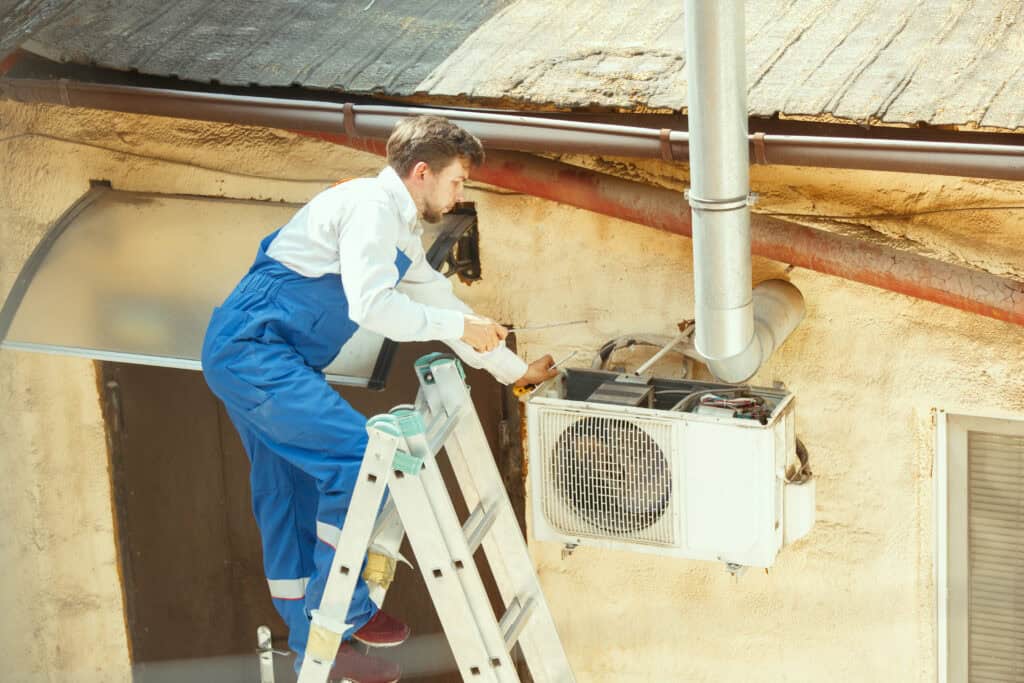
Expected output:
(482, 334)
(538, 371)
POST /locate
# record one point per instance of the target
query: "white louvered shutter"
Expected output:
(996, 557)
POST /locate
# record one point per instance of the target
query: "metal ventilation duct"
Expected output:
(724, 307)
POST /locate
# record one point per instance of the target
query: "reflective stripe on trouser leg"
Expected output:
(284, 501)
(362, 608)
(261, 354)
(305, 423)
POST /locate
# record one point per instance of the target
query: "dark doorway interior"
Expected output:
(189, 548)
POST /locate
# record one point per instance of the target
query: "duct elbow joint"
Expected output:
(723, 333)
(778, 309)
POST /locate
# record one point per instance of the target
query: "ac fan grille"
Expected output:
(607, 477)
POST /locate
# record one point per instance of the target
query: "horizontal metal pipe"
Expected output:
(903, 156)
(528, 133)
(907, 273)
(898, 271)
(847, 257)
(498, 131)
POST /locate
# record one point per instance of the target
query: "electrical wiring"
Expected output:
(798, 474)
(681, 347)
(743, 402)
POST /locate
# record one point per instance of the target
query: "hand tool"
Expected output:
(531, 328)
(528, 389)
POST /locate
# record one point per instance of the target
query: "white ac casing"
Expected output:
(719, 495)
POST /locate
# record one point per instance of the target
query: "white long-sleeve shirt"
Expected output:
(353, 229)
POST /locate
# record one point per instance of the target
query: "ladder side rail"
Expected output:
(505, 548)
(538, 639)
(389, 531)
(327, 623)
(467, 572)
(446, 592)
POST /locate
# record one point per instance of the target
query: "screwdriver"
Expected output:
(531, 328)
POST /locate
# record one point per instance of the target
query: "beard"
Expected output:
(432, 216)
(432, 213)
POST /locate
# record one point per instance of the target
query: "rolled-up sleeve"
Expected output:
(367, 243)
(425, 285)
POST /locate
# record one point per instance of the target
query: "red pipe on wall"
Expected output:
(903, 272)
(853, 259)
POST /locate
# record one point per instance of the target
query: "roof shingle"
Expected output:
(941, 62)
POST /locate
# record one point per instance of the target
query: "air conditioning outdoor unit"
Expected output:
(682, 468)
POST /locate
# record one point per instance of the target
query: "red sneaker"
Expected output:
(352, 666)
(382, 630)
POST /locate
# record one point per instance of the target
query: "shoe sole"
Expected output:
(379, 645)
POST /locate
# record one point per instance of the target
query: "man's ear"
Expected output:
(419, 171)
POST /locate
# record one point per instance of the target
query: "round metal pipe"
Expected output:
(530, 134)
(971, 290)
(719, 177)
(901, 156)
(778, 309)
(898, 271)
(497, 131)
(847, 257)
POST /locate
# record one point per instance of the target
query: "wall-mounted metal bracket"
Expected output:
(720, 204)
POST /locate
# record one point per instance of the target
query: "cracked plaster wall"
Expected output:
(852, 602)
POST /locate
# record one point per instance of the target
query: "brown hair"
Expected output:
(432, 139)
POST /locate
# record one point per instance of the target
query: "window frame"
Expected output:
(951, 533)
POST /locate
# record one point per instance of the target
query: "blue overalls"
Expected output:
(263, 356)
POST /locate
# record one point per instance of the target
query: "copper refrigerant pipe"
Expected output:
(364, 128)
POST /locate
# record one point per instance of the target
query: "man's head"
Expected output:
(433, 158)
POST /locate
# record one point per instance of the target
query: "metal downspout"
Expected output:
(949, 284)
(719, 177)
(724, 305)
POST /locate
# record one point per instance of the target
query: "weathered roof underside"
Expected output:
(899, 61)
(940, 62)
(387, 46)
(20, 18)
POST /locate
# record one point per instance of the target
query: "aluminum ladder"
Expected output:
(401, 454)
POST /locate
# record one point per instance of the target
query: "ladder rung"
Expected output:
(477, 525)
(443, 416)
(515, 620)
(436, 436)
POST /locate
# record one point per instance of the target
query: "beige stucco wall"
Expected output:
(852, 602)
